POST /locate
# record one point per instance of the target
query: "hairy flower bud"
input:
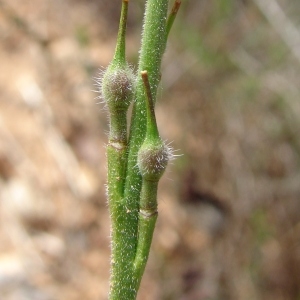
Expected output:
(152, 160)
(118, 87)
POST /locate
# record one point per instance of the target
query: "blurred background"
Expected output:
(229, 206)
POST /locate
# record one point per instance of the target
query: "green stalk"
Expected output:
(147, 219)
(153, 44)
(119, 56)
(134, 166)
(122, 285)
(172, 16)
(148, 197)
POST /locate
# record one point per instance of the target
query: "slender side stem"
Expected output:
(153, 44)
(147, 219)
(121, 47)
(133, 203)
(118, 127)
(122, 283)
(151, 120)
(148, 197)
(172, 16)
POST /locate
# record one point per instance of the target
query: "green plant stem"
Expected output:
(132, 199)
(153, 44)
(152, 47)
(151, 120)
(116, 156)
(125, 281)
(147, 219)
(122, 283)
(172, 16)
(121, 45)
(147, 225)
(118, 126)
(148, 197)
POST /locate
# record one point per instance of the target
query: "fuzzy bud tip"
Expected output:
(118, 88)
(153, 160)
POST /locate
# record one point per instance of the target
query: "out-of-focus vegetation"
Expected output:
(236, 66)
(229, 220)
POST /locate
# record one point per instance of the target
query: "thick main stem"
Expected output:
(152, 48)
(122, 283)
(128, 264)
(153, 45)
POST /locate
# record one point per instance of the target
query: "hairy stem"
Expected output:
(153, 44)
(122, 283)
(135, 166)
(173, 15)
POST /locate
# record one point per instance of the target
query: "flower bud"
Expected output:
(152, 160)
(118, 87)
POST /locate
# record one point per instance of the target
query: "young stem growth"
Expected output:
(172, 16)
(135, 164)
